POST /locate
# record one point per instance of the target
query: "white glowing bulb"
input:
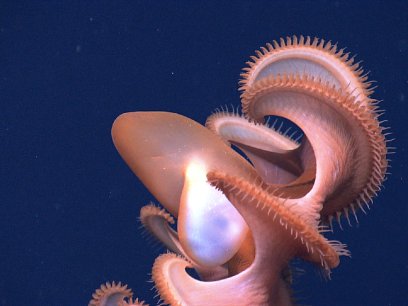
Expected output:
(211, 229)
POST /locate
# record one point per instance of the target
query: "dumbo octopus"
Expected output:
(242, 218)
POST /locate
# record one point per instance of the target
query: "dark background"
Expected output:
(69, 205)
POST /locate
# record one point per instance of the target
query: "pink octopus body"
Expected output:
(241, 221)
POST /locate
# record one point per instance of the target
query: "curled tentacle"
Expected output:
(345, 135)
(111, 294)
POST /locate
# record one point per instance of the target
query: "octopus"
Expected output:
(241, 199)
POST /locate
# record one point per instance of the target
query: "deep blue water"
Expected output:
(69, 204)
